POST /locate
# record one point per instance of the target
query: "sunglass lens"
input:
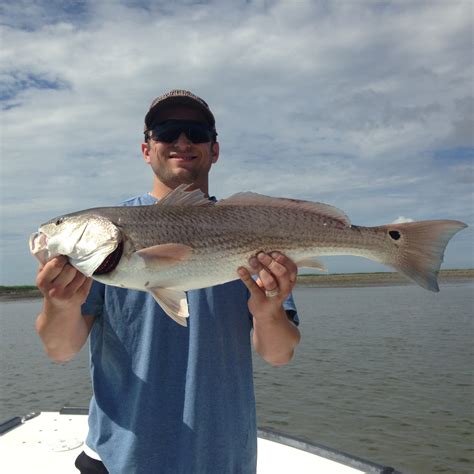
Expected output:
(170, 131)
(198, 134)
(166, 136)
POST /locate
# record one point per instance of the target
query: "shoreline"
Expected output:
(348, 280)
(11, 293)
(334, 280)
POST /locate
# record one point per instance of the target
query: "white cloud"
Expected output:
(344, 102)
(401, 220)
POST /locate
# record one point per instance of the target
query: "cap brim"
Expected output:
(177, 101)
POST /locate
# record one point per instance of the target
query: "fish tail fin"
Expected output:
(421, 248)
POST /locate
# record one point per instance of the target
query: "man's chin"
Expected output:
(179, 177)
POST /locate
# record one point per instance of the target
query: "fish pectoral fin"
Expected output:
(165, 255)
(173, 303)
(312, 262)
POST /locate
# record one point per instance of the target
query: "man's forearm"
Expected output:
(63, 330)
(275, 338)
(61, 326)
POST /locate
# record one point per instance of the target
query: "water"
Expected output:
(30, 381)
(381, 373)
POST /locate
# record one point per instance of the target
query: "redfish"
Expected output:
(186, 242)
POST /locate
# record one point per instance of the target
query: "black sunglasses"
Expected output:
(170, 130)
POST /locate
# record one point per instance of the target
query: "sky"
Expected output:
(364, 105)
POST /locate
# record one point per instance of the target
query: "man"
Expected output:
(170, 399)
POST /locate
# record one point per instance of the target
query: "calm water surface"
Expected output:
(382, 373)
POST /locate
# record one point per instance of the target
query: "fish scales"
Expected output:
(231, 228)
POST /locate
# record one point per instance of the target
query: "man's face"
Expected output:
(182, 161)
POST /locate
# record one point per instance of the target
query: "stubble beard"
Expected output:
(173, 178)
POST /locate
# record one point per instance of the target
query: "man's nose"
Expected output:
(183, 141)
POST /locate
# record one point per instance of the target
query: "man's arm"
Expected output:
(61, 326)
(275, 337)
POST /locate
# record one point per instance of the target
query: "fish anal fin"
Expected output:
(183, 196)
(173, 303)
(312, 262)
(255, 199)
(165, 254)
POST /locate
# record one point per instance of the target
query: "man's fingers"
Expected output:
(50, 270)
(246, 277)
(286, 262)
(269, 282)
(78, 280)
(280, 271)
(59, 279)
(79, 283)
(266, 280)
(275, 271)
(65, 277)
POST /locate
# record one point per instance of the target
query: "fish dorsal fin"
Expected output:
(180, 196)
(254, 199)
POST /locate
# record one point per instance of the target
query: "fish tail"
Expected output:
(420, 248)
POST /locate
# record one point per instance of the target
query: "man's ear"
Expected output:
(215, 152)
(146, 152)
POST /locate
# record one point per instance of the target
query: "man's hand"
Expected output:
(61, 326)
(276, 279)
(274, 336)
(61, 282)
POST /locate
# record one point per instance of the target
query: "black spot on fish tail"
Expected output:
(111, 261)
(394, 234)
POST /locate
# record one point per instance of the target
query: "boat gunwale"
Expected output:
(325, 452)
(264, 433)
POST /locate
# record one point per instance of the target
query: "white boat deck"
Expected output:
(50, 442)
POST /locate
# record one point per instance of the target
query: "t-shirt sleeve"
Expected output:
(94, 304)
(290, 308)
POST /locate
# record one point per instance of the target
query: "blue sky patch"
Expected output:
(28, 15)
(457, 154)
(17, 82)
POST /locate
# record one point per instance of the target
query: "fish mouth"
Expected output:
(38, 244)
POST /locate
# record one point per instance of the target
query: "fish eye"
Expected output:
(394, 234)
(59, 221)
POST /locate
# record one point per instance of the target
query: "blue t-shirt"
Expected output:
(171, 399)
